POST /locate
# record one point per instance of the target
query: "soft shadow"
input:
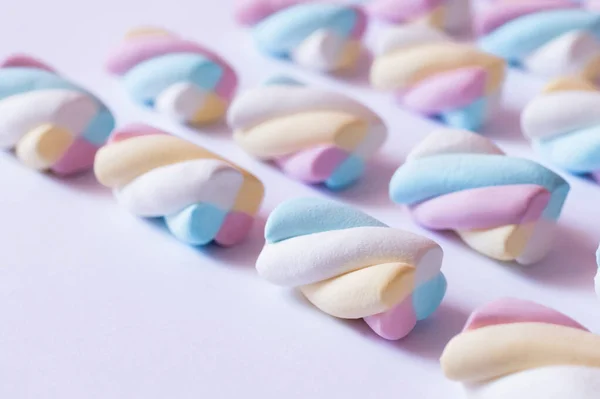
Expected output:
(84, 182)
(427, 340)
(243, 254)
(571, 262)
(373, 187)
(430, 336)
(504, 124)
(359, 75)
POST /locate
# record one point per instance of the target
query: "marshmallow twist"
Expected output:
(51, 123)
(503, 207)
(563, 124)
(175, 76)
(318, 35)
(314, 135)
(518, 349)
(202, 197)
(547, 37)
(449, 15)
(434, 76)
(352, 266)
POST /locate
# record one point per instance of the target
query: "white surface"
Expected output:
(95, 303)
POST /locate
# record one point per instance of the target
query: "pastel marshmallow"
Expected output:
(202, 197)
(314, 135)
(177, 77)
(352, 266)
(503, 207)
(435, 76)
(518, 349)
(563, 125)
(322, 36)
(51, 123)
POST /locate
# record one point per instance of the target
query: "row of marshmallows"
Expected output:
(506, 210)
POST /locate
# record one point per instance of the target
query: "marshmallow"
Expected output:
(317, 35)
(50, 123)
(435, 76)
(503, 207)
(449, 15)
(564, 125)
(518, 349)
(547, 37)
(314, 135)
(352, 266)
(202, 197)
(177, 77)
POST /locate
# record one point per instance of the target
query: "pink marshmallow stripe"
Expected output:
(24, 60)
(497, 15)
(596, 176)
(136, 50)
(250, 12)
(511, 310)
(483, 208)
(132, 130)
(235, 228)
(399, 11)
(445, 91)
(396, 323)
(78, 158)
(360, 25)
(314, 165)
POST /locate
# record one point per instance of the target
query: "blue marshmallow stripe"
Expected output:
(147, 80)
(197, 224)
(280, 33)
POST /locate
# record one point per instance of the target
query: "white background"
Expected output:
(95, 303)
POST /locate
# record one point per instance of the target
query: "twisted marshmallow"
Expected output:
(450, 15)
(547, 37)
(314, 135)
(564, 125)
(175, 76)
(435, 76)
(352, 266)
(519, 350)
(50, 122)
(503, 207)
(202, 197)
(315, 34)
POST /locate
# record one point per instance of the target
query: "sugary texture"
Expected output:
(547, 37)
(518, 349)
(51, 123)
(563, 123)
(435, 76)
(175, 76)
(352, 266)
(202, 197)
(314, 135)
(503, 207)
(320, 35)
(449, 15)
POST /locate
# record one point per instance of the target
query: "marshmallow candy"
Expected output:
(352, 266)
(518, 349)
(202, 197)
(434, 76)
(175, 76)
(503, 207)
(449, 15)
(50, 123)
(319, 35)
(314, 135)
(563, 124)
(546, 37)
